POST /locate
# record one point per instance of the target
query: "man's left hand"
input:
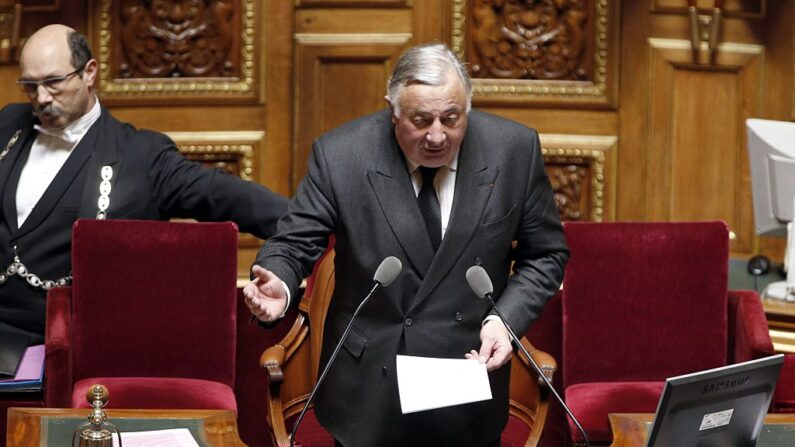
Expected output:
(495, 347)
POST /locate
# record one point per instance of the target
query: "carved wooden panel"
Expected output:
(581, 169)
(546, 50)
(339, 78)
(158, 50)
(700, 172)
(756, 9)
(232, 151)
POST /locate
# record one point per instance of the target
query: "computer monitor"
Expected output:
(771, 150)
(719, 407)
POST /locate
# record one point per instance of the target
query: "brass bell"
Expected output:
(97, 431)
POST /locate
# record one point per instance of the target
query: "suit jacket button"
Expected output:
(478, 261)
(384, 370)
(459, 317)
(409, 321)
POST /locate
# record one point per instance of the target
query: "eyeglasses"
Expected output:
(53, 85)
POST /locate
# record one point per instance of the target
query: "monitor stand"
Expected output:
(785, 290)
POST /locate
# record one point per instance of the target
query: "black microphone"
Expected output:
(386, 272)
(480, 283)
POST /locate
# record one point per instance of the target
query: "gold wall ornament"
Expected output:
(581, 169)
(231, 151)
(154, 52)
(544, 51)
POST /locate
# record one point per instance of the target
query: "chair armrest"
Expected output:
(271, 361)
(58, 349)
(545, 362)
(749, 336)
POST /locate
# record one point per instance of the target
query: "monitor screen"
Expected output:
(771, 148)
(724, 406)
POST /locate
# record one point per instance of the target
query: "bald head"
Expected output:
(56, 42)
(50, 33)
(59, 59)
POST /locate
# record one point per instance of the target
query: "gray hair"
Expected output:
(428, 65)
(81, 51)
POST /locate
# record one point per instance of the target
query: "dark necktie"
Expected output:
(429, 206)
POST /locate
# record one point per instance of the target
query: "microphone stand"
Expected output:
(518, 342)
(330, 361)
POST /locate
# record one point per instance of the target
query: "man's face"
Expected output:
(432, 121)
(59, 103)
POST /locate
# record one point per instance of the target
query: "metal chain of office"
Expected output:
(19, 269)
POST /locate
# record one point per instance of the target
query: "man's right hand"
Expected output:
(265, 296)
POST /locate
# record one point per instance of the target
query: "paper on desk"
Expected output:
(175, 437)
(426, 383)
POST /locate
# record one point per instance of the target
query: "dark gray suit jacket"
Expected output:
(358, 188)
(151, 180)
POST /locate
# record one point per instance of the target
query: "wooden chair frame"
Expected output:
(289, 357)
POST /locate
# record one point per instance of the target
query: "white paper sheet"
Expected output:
(175, 437)
(426, 383)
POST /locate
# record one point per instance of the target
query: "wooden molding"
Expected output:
(756, 9)
(232, 151)
(352, 3)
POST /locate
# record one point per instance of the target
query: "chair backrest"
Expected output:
(293, 365)
(154, 299)
(644, 301)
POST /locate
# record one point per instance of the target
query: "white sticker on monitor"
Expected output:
(715, 420)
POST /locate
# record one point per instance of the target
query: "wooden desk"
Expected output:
(781, 321)
(632, 430)
(31, 427)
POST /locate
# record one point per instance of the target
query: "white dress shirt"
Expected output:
(49, 152)
(443, 184)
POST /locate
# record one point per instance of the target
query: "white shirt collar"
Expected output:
(73, 132)
(452, 166)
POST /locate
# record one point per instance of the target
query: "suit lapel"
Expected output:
(393, 189)
(68, 174)
(474, 184)
(9, 186)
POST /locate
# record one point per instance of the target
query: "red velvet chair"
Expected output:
(643, 302)
(291, 366)
(151, 314)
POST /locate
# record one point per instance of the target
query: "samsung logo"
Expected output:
(726, 384)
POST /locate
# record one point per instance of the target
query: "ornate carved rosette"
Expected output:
(550, 50)
(166, 49)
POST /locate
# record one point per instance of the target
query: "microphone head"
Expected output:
(479, 281)
(388, 270)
